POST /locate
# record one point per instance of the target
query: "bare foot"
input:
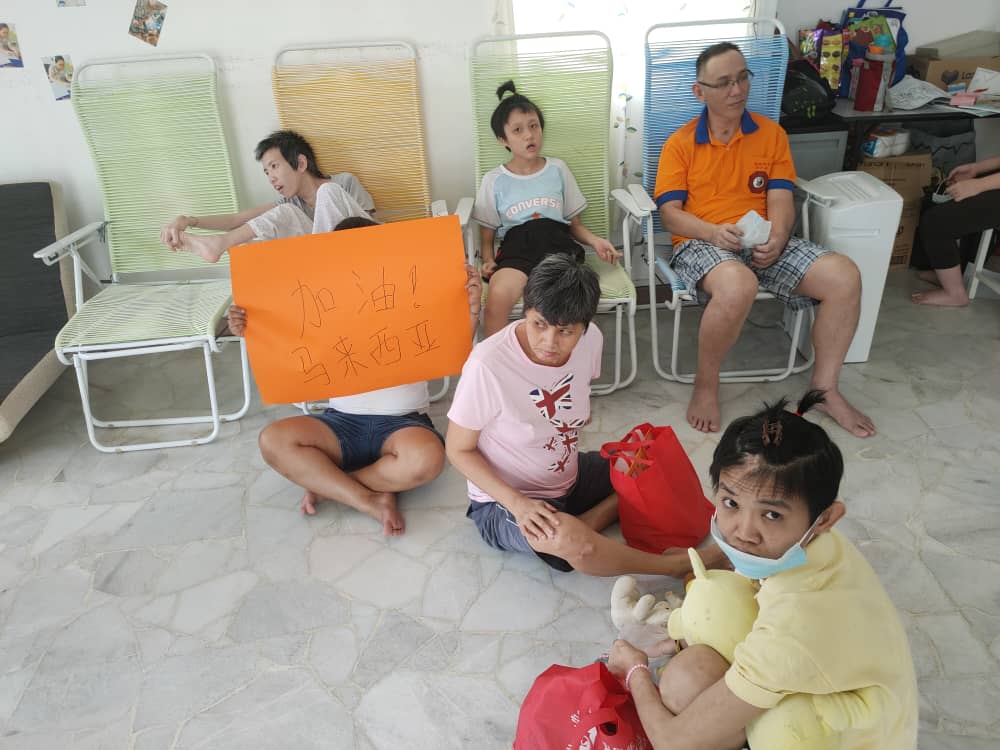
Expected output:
(384, 509)
(929, 276)
(852, 420)
(703, 410)
(308, 504)
(208, 247)
(940, 298)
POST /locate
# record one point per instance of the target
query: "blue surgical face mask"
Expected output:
(756, 567)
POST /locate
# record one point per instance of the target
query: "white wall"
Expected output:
(40, 139)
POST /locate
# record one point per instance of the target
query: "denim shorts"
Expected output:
(362, 436)
(498, 528)
(693, 259)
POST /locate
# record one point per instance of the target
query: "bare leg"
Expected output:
(211, 246)
(411, 457)
(835, 281)
(506, 287)
(929, 276)
(689, 674)
(732, 287)
(592, 553)
(952, 292)
(603, 514)
(305, 451)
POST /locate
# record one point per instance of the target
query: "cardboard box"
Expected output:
(970, 44)
(907, 174)
(950, 73)
(905, 232)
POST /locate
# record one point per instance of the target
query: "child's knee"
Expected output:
(572, 542)
(274, 441)
(689, 674)
(426, 462)
(268, 441)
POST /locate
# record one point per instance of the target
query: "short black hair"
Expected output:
(796, 457)
(3, 25)
(563, 291)
(58, 58)
(292, 146)
(354, 222)
(714, 50)
(506, 106)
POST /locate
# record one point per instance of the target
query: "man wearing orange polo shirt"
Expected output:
(711, 172)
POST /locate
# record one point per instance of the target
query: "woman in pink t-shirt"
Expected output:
(514, 434)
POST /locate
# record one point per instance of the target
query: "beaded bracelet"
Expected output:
(628, 675)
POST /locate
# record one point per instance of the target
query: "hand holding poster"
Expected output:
(348, 312)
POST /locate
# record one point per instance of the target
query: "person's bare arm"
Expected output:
(781, 214)
(678, 221)
(713, 720)
(170, 235)
(486, 237)
(963, 189)
(988, 165)
(536, 518)
(237, 317)
(604, 249)
(474, 290)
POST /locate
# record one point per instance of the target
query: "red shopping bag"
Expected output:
(585, 707)
(660, 500)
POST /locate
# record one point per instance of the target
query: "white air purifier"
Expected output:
(856, 215)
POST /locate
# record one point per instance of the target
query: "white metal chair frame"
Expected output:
(619, 305)
(980, 274)
(639, 210)
(436, 208)
(81, 356)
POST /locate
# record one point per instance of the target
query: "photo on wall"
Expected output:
(10, 52)
(147, 20)
(59, 70)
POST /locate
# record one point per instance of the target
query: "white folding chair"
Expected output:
(979, 273)
(325, 91)
(669, 104)
(155, 134)
(568, 76)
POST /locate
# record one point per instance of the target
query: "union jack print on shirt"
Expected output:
(548, 402)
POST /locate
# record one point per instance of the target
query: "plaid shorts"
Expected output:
(693, 259)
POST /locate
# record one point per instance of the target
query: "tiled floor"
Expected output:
(177, 599)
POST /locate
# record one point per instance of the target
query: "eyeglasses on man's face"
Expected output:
(743, 79)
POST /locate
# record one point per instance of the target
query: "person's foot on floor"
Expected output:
(852, 420)
(384, 509)
(940, 298)
(703, 409)
(308, 504)
(208, 247)
(929, 276)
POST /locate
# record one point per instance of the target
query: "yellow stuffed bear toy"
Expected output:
(719, 611)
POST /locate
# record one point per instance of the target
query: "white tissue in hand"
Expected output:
(756, 229)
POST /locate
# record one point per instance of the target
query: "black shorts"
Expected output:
(524, 246)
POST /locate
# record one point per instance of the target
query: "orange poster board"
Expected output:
(347, 312)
